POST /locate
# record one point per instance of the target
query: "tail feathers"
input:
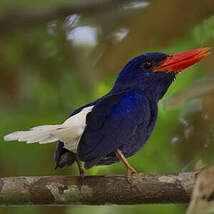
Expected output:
(40, 134)
(69, 132)
(46, 127)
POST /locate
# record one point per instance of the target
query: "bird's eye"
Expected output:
(146, 65)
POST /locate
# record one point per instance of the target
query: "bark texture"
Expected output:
(97, 190)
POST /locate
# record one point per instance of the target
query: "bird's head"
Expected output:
(154, 72)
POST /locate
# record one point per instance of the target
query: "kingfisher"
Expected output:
(115, 126)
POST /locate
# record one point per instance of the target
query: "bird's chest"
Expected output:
(141, 133)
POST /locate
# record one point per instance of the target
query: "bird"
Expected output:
(117, 125)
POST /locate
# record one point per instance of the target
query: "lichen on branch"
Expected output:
(97, 190)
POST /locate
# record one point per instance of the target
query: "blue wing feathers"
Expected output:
(101, 110)
(113, 123)
(122, 119)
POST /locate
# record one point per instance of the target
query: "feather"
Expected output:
(68, 132)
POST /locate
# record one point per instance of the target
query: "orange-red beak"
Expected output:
(179, 62)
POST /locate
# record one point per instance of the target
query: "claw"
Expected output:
(130, 169)
(130, 172)
(82, 173)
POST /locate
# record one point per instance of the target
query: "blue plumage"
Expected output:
(117, 128)
(125, 117)
(118, 124)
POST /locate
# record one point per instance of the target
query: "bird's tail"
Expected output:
(40, 134)
(68, 132)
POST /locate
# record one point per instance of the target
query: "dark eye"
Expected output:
(146, 65)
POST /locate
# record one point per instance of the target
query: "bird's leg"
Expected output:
(81, 170)
(130, 169)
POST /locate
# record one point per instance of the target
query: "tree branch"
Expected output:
(97, 190)
(29, 17)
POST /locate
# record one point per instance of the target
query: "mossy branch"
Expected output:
(97, 190)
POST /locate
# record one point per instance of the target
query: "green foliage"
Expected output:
(45, 86)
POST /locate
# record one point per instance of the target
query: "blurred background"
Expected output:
(57, 55)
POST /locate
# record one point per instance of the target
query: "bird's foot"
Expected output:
(82, 174)
(130, 172)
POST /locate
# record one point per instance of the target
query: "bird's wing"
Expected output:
(112, 122)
